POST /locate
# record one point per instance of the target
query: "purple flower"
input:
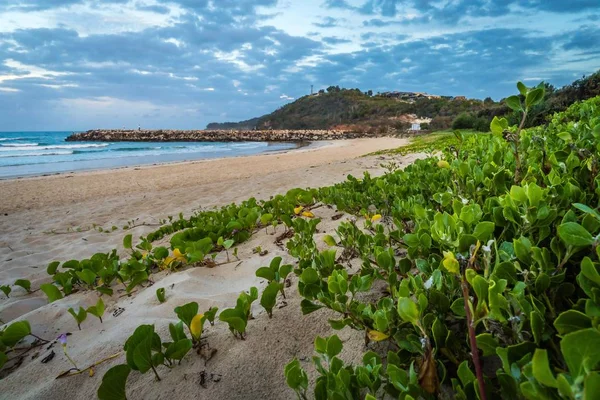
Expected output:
(62, 338)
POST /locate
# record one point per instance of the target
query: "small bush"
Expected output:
(463, 121)
(481, 124)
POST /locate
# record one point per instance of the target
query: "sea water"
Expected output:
(41, 153)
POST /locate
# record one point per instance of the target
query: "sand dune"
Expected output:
(248, 369)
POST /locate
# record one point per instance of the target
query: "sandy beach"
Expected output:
(51, 218)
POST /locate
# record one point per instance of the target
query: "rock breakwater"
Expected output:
(118, 135)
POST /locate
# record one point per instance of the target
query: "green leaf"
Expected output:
(591, 385)
(514, 103)
(98, 309)
(465, 375)
(537, 326)
(265, 273)
(295, 376)
(6, 290)
(566, 136)
(308, 307)
(136, 280)
(522, 88)
(114, 382)
(178, 350)
(269, 297)
(408, 310)
(24, 283)
(587, 210)
(142, 355)
(234, 318)
(573, 234)
(15, 333)
(285, 270)
(160, 295)
(334, 346)
(176, 331)
(484, 230)
(398, 377)
(541, 369)
(534, 97)
(329, 240)
(266, 218)
(187, 312)
(51, 291)
(588, 269)
(581, 351)
(571, 321)
(160, 253)
(534, 194)
(498, 125)
(52, 267)
(86, 276)
(309, 276)
(79, 316)
(487, 343)
(518, 193)
(140, 334)
(127, 241)
(210, 314)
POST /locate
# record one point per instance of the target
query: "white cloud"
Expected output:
(88, 18)
(51, 86)
(235, 57)
(28, 71)
(286, 97)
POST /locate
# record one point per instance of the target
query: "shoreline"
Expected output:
(43, 219)
(298, 147)
(57, 217)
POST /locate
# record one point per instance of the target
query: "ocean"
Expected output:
(40, 153)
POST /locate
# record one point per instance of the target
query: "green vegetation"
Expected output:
(12, 350)
(488, 256)
(429, 143)
(363, 111)
(146, 351)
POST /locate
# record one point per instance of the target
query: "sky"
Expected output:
(180, 64)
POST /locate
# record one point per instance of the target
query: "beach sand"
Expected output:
(39, 219)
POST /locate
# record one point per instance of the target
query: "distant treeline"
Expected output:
(337, 106)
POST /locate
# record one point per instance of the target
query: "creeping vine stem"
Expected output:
(472, 338)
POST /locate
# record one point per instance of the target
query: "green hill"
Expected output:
(356, 110)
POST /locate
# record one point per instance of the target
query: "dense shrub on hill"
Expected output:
(337, 106)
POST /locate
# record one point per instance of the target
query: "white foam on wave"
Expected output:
(19, 145)
(52, 147)
(38, 153)
(251, 145)
(4, 139)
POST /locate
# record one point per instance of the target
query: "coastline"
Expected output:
(297, 146)
(43, 219)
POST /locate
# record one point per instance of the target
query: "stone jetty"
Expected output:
(118, 135)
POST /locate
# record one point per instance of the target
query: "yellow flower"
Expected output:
(443, 164)
(167, 262)
(377, 336)
(179, 256)
(375, 217)
(298, 210)
(308, 214)
(196, 326)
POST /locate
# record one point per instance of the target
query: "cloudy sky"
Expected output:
(82, 64)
